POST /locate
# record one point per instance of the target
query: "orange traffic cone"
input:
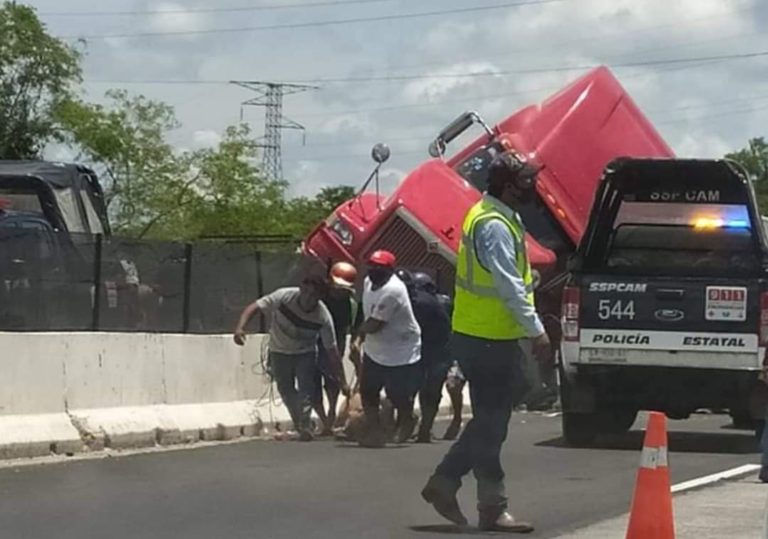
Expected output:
(651, 516)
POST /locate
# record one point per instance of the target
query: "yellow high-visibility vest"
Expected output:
(478, 309)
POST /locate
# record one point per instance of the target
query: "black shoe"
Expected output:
(405, 431)
(424, 438)
(763, 477)
(505, 522)
(444, 502)
(306, 436)
(453, 430)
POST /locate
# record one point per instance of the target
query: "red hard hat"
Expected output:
(343, 274)
(383, 258)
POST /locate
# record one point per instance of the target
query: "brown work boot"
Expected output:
(503, 523)
(443, 500)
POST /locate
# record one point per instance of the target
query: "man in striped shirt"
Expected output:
(296, 317)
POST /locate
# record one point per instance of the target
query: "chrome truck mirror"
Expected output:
(380, 153)
(454, 129)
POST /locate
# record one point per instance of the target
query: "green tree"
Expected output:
(154, 191)
(305, 213)
(37, 71)
(147, 181)
(235, 197)
(754, 159)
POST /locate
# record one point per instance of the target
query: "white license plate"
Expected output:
(726, 304)
(606, 354)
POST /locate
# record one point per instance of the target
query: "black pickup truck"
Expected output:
(666, 307)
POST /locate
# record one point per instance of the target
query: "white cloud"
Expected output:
(346, 124)
(206, 138)
(701, 146)
(176, 20)
(430, 89)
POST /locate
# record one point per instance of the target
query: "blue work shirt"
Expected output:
(497, 252)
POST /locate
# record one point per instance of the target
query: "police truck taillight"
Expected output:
(571, 296)
(764, 319)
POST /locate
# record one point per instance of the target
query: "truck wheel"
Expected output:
(742, 419)
(579, 430)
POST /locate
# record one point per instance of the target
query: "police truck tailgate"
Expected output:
(671, 271)
(695, 316)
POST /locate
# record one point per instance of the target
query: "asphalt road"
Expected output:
(326, 490)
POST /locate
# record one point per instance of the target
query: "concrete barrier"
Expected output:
(33, 411)
(71, 392)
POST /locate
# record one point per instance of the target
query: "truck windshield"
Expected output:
(474, 169)
(681, 239)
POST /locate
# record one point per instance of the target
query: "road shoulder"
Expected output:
(726, 509)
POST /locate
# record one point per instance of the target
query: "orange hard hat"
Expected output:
(343, 274)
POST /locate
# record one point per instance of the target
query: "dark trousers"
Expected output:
(325, 374)
(400, 383)
(494, 370)
(435, 366)
(290, 371)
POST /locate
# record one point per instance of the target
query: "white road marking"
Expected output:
(715, 478)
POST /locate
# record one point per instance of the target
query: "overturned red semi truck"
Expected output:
(572, 136)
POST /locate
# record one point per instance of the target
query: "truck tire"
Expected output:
(742, 419)
(580, 430)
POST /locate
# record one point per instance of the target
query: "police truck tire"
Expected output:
(617, 421)
(580, 430)
(742, 419)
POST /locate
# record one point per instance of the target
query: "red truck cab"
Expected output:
(571, 136)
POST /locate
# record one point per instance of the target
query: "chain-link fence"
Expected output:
(65, 282)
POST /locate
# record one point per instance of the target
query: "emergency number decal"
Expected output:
(726, 304)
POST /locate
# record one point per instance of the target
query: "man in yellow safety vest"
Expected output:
(493, 311)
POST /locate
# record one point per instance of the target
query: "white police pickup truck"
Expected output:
(666, 307)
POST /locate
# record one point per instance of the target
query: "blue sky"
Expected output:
(702, 109)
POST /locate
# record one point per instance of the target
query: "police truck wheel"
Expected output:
(617, 421)
(580, 430)
(742, 419)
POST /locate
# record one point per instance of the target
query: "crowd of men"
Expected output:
(399, 335)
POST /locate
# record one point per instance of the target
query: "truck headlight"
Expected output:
(341, 230)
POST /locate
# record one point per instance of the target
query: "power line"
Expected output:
(314, 24)
(471, 74)
(714, 105)
(531, 71)
(234, 9)
(558, 45)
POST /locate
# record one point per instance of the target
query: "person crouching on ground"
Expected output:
(389, 341)
(297, 317)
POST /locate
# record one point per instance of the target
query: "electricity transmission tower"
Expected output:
(270, 96)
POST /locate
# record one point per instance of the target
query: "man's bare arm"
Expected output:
(245, 317)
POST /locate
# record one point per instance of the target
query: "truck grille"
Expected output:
(413, 253)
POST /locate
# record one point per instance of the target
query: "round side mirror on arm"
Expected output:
(380, 153)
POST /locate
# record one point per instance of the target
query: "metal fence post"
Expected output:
(187, 287)
(96, 308)
(260, 288)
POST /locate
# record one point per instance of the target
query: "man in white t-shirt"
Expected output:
(390, 344)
